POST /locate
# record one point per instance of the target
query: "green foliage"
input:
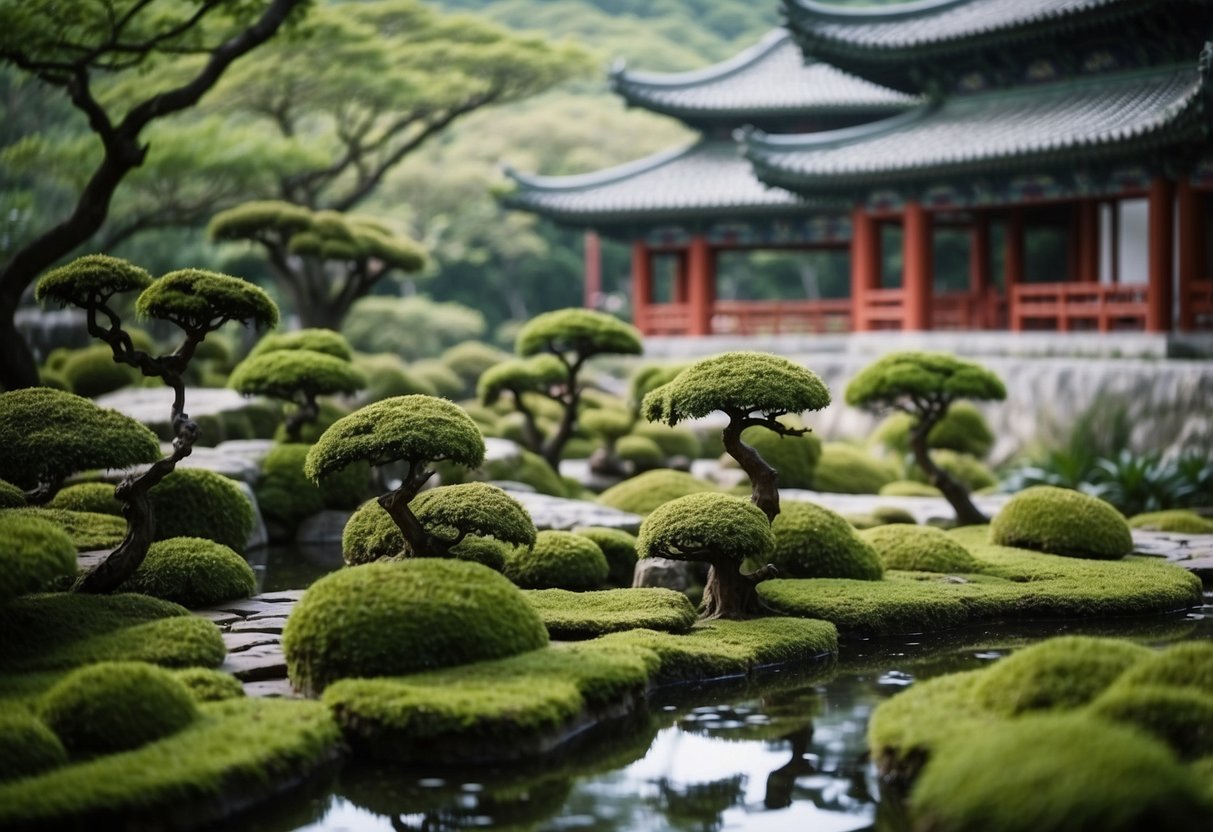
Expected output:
(520, 375)
(470, 359)
(674, 442)
(96, 497)
(315, 339)
(644, 493)
(476, 509)
(88, 531)
(607, 422)
(195, 299)
(89, 279)
(580, 615)
(286, 496)
(736, 382)
(418, 429)
(618, 547)
(47, 434)
(369, 535)
(33, 553)
(909, 488)
(583, 332)
(286, 373)
(27, 747)
(704, 526)
(206, 685)
(530, 469)
(1175, 520)
(967, 470)
(92, 372)
(386, 619)
(648, 377)
(486, 551)
(558, 560)
(1187, 665)
(900, 377)
(1180, 717)
(330, 411)
(846, 469)
(116, 706)
(11, 496)
(962, 429)
(433, 372)
(412, 328)
(920, 549)
(194, 502)
(388, 376)
(793, 457)
(193, 572)
(643, 453)
(1062, 522)
(813, 542)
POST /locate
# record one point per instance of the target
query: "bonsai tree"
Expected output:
(610, 424)
(299, 367)
(197, 301)
(322, 260)
(565, 340)
(924, 385)
(420, 431)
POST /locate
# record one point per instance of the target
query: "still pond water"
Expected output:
(787, 752)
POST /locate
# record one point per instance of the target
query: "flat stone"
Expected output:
(501, 450)
(272, 689)
(87, 561)
(558, 513)
(246, 607)
(281, 595)
(220, 617)
(663, 572)
(261, 625)
(241, 642)
(1200, 567)
(324, 527)
(256, 664)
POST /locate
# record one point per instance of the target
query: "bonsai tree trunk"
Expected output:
(306, 414)
(417, 541)
(730, 594)
(967, 514)
(763, 478)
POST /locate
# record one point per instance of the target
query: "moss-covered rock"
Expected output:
(192, 571)
(11, 496)
(1187, 665)
(87, 530)
(319, 340)
(619, 548)
(1180, 717)
(580, 615)
(559, 560)
(920, 549)
(27, 746)
(674, 442)
(644, 454)
(92, 372)
(33, 554)
(529, 469)
(486, 551)
(286, 496)
(116, 706)
(813, 542)
(644, 493)
(888, 515)
(846, 469)
(194, 502)
(909, 488)
(207, 685)
(699, 525)
(1182, 521)
(369, 535)
(1062, 522)
(1056, 773)
(95, 497)
(387, 619)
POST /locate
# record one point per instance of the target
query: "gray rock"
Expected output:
(256, 664)
(272, 689)
(240, 642)
(325, 527)
(260, 625)
(558, 513)
(663, 572)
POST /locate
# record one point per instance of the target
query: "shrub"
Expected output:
(329, 412)
(27, 746)
(390, 619)
(909, 488)
(470, 359)
(1180, 717)
(674, 442)
(320, 340)
(1181, 521)
(644, 454)
(33, 553)
(618, 547)
(11, 496)
(96, 497)
(529, 469)
(116, 706)
(887, 515)
(813, 542)
(487, 551)
(206, 685)
(437, 375)
(413, 327)
(962, 429)
(794, 457)
(1062, 522)
(559, 560)
(88, 531)
(580, 615)
(193, 572)
(194, 502)
(92, 372)
(286, 496)
(388, 376)
(920, 549)
(577, 448)
(644, 493)
(846, 469)
(967, 470)
(264, 418)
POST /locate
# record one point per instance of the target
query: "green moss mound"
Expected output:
(644, 493)
(1180, 717)
(559, 560)
(1181, 521)
(93, 274)
(116, 706)
(196, 297)
(529, 469)
(284, 374)
(888, 515)
(194, 502)
(581, 330)
(674, 442)
(909, 488)
(476, 509)
(1063, 672)
(793, 457)
(27, 747)
(33, 554)
(87, 530)
(286, 496)
(95, 497)
(92, 372)
(320, 340)
(813, 542)
(486, 551)
(370, 534)
(581, 615)
(1187, 665)
(967, 470)
(469, 359)
(1062, 522)
(386, 619)
(1056, 773)
(920, 549)
(245, 747)
(11, 496)
(846, 469)
(643, 453)
(692, 527)
(206, 685)
(619, 548)
(192, 571)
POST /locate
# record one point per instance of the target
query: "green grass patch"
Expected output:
(580, 615)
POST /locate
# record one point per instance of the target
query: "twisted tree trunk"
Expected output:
(764, 480)
(956, 494)
(418, 542)
(730, 594)
(307, 413)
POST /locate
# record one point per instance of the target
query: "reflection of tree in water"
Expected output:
(700, 806)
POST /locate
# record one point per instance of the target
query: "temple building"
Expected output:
(976, 164)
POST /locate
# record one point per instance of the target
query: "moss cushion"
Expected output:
(1175, 520)
(1180, 717)
(33, 553)
(813, 542)
(385, 619)
(27, 746)
(1062, 522)
(619, 548)
(97, 497)
(578, 615)
(194, 502)
(642, 494)
(846, 469)
(559, 560)
(193, 572)
(920, 549)
(87, 530)
(207, 685)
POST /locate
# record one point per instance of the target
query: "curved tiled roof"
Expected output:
(770, 78)
(1075, 122)
(706, 178)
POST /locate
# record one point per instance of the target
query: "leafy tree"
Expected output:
(75, 45)
(558, 344)
(924, 385)
(199, 302)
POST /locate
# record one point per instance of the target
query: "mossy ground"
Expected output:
(579, 615)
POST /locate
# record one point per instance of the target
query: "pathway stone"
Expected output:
(558, 513)
(252, 633)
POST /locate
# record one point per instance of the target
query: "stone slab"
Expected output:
(237, 642)
(220, 617)
(324, 527)
(262, 625)
(1200, 567)
(256, 664)
(558, 513)
(272, 689)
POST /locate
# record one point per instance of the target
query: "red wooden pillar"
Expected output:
(1160, 298)
(1013, 261)
(865, 265)
(917, 273)
(593, 269)
(980, 313)
(1088, 241)
(642, 285)
(1191, 249)
(680, 277)
(701, 278)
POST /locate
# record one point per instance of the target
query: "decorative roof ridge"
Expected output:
(751, 137)
(1074, 83)
(870, 14)
(606, 176)
(772, 40)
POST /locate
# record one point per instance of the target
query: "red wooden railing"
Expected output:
(744, 317)
(664, 319)
(1079, 305)
(1200, 303)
